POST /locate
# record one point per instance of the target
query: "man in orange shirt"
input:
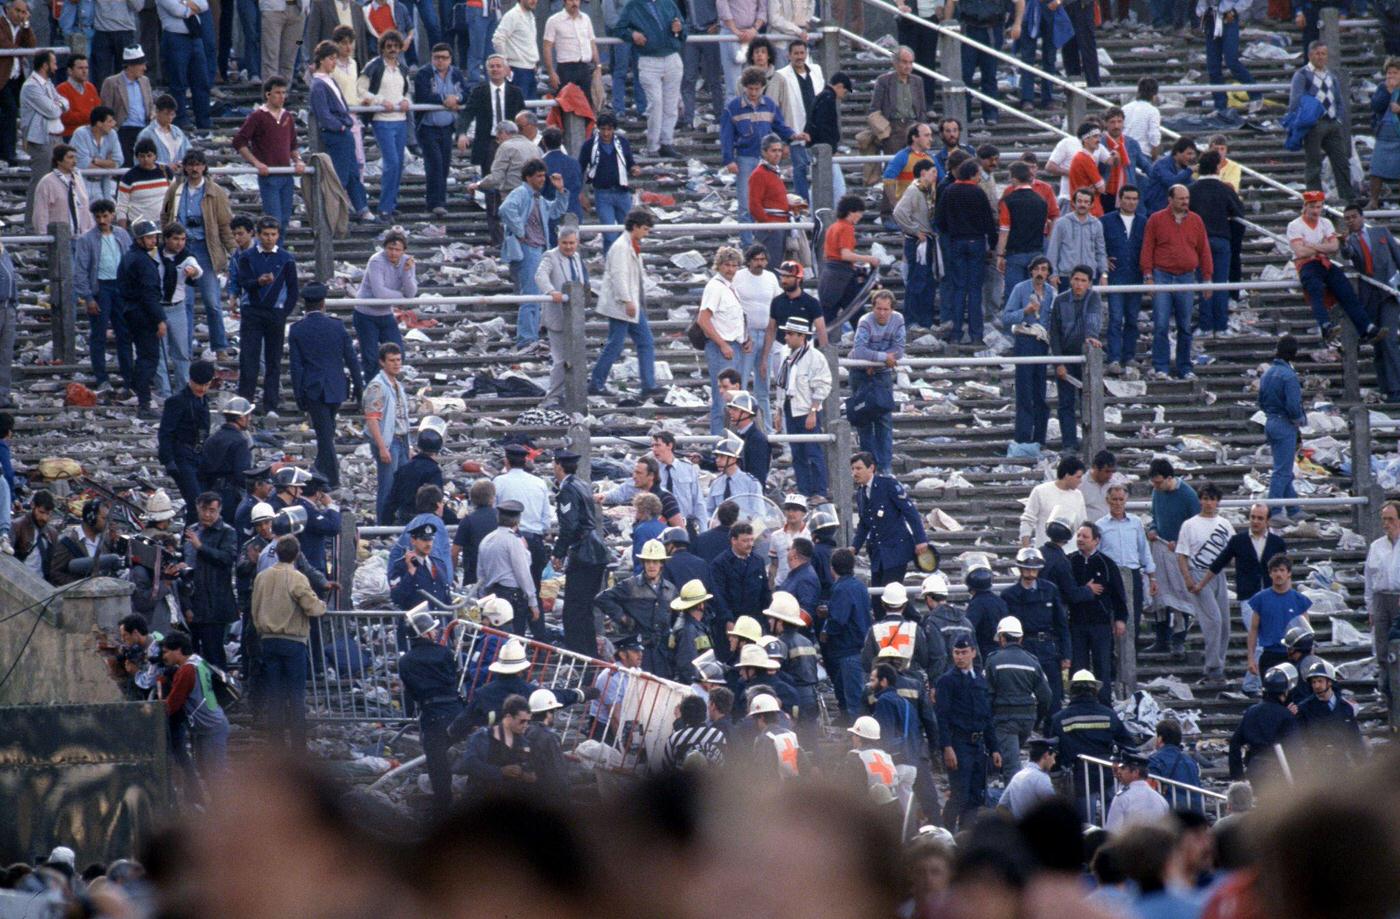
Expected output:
(81, 95)
(1084, 167)
(768, 200)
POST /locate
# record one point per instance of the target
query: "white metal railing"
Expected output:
(698, 229)
(917, 362)
(1178, 794)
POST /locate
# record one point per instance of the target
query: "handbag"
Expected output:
(696, 335)
(868, 402)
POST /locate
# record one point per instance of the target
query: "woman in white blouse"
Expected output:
(721, 317)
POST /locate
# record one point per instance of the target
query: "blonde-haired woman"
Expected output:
(721, 318)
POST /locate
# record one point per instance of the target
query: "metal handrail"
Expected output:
(699, 229)
(26, 240)
(916, 362)
(212, 170)
(444, 301)
(1216, 798)
(1191, 89)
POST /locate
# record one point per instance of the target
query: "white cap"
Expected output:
(158, 506)
(784, 608)
(935, 584)
(755, 656)
(866, 728)
(795, 501)
(763, 703)
(542, 700)
(1011, 626)
(65, 855)
(511, 658)
(895, 595)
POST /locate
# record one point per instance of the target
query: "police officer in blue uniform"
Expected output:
(1265, 724)
(579, 552)
(430, 681)
(682, 566)
(422, 469)
(322, 516)
(756, 668)
(984, 608)
(888, 520)
(967, 734)
(259, 485)
(913, 686)
(825, 527)
(226, 454)
(415, 571)
(1057, 569)
(1037, 605)
(1087, 727)
(184, 426)
(1299, 641)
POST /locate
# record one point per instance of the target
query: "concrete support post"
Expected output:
(838, 464)
(1351, 369)
(831, 49)
(346, 559)
(1095, 435)
(822, 190)
(580, 441)
(955, 103)
(1366, 518)
(576, 350)
(62, 308)
(574, 133)
(1076, 108)
(1330, 28)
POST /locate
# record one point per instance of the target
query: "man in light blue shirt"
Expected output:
(537, 516)
(1032, 785)
(98, 148)
(1124, 540)
(681, 478)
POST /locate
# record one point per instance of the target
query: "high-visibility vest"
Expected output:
(879, 767)
(786, 748)
(898, 635)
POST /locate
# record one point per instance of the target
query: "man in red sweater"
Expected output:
(267, 139)
(81, 95)
(1175, 250)
(768, 200)
(194, 712)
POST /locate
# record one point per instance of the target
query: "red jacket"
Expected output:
(1176, 248)
(573, 100)
(768, 201)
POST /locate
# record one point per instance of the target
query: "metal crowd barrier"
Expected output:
(1178, 794)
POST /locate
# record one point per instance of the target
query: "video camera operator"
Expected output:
(84, 543)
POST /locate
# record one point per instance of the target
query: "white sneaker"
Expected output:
(5, 547)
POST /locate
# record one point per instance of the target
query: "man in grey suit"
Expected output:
(1375, 254)
(559, 267)
(40, 111)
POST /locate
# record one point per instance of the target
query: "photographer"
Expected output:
(211, 550)
(140, 654)
(72, 557)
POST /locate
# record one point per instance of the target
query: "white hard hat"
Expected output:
(420, 620)
(158, 506)
(938, 833)
(1011, 626)
(542, 700)
(1084, 678)
(693, 593)
(652, 551)
(891, 653)
(510, 658)
(866, 728)
(435, 423)
(262, 511)
(495, 611)
(747, 628)
(755, 656)
(895, 595)
(730, 444)
(763, 704)
(784, 608)
(935, 584)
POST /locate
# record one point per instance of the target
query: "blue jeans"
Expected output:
(972, 59)
(527, 318)
(211, 752)
(808, 460)
(340, 147)
(623, 64)
(250, 21)
(175, 348)
(209, 34)
(963, 284)
(1227, 46)
(716, 364)
(427, 10)
(1032, 412)
(391, 137)
(747, 164)
(384, 476)
(436, 143)
(524, 78)
(838, 182)
(183, 62)
(481, 25)
(700, 61)
(276, 192)
(1317, 280)
(748, 378)
(1166, 309)
(802, 171)
(208, 284)
(1123, 310)
(1283, 446)
(1215, 306)
(284, 670)
(1026, 47)
(619, 330)
(877, 437)
(1018, 269)
(919, 288)
(849, 683)
(612, 205)
(109, 313)
(373, 331)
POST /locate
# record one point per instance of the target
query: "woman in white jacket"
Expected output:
(623, 300)
(804, 382)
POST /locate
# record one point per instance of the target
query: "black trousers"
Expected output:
(581, 585)
(126, 136)
(143, 373)
(879, 577)
(539, 557)
(433, 732)
(9, 115)
(263, 332)
(209, 642)
(322, 417)
(579, 73)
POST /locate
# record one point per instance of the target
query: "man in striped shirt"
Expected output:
(695, 736)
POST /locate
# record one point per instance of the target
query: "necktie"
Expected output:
(573, 270)
(500, 108)
(1365, 251)
(72, 204)
(670, 486)
(728, 487)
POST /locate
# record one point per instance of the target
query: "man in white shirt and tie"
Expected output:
(560, 267)
(1382, 592)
